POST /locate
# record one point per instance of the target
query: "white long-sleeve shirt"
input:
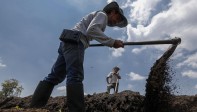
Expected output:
(93, 26)
(113, 78)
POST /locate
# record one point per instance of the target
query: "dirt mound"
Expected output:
(102, 102)
(158, 97)
(125, 101)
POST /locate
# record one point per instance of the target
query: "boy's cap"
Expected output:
(116, 68)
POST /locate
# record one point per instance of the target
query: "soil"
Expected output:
(158, 98)
(125, 101)
(158, 95)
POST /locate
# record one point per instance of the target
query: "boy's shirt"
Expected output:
(113, 78)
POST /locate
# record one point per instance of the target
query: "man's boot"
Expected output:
(75, 98)
(41, 94)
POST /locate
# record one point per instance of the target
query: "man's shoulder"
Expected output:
(110, 74)
(100, 13)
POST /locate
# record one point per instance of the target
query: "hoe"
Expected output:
(174, 42)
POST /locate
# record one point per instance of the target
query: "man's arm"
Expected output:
(96, 29)
(118, 76)
(107, 79)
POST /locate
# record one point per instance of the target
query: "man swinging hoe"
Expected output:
(69, 63)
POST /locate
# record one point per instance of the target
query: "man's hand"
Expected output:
(118, 44)
(117, 75)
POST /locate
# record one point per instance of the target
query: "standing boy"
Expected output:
(113, 80)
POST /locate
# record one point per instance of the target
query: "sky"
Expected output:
(29, 32)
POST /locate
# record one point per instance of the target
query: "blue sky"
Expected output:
(29, 32)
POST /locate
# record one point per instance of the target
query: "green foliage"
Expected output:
(1, 94)
(18, 108)
(10, 88)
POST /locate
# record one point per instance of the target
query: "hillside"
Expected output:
(125, 101)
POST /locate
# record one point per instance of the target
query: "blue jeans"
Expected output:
(69, 64)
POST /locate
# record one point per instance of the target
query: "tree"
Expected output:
(11, 88)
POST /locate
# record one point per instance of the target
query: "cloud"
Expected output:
(138, 50)
(142, 10)
(62, 89)
(195, 86)
(117, 52)
(134, 76)
(179, 20)
(109, 1)
(191, 61)
(190, 74)
(1, 64)
(177, 55)
(176, 22)
(130, 86)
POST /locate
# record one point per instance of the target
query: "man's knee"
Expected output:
(75, 79)
(54, 80)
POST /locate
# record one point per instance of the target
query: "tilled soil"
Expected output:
(158, 97)
(125, 101)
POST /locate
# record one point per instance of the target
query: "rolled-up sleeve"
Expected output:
(96, 30)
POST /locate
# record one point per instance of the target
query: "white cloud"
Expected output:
(130, 86)
(177, 55)
(138, 50)
(190, 74)
(127, 4)
(134, 76)
(195, 86)
(176, 22)
(1, 64)
(179, 20)
(117, 52)
(135, 34)
(62, 89)
(191, 61)
(109, 1)
(142, 10)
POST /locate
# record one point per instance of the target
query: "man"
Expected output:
(114, 80)
(69, 63)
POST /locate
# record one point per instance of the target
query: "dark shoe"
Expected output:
(75, 98)
(41, 94)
